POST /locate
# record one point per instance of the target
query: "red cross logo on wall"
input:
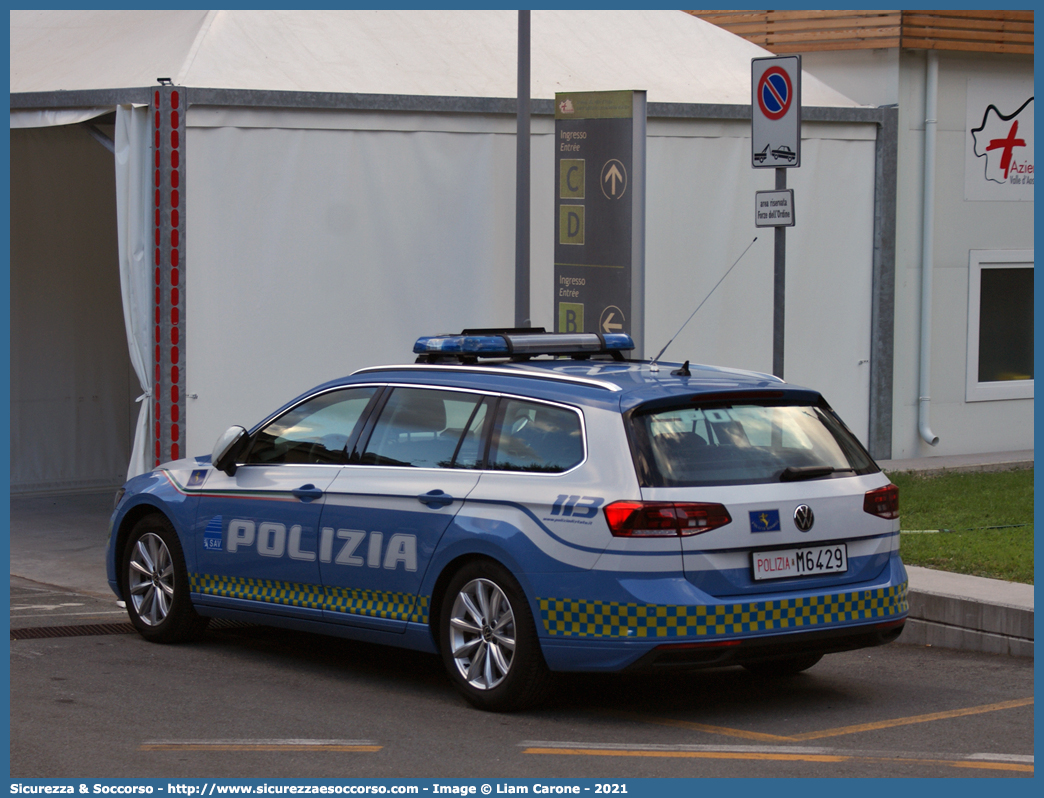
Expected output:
(1004, 142)
(1007, 145)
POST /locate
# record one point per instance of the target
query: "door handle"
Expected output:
(435, 499)
(307, 493)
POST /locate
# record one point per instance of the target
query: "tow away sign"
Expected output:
(775, 85)
(774, 208)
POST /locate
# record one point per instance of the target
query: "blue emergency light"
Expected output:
(473, 344)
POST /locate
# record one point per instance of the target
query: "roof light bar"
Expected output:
(523, 344)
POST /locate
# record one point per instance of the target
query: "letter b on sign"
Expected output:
(570, 317)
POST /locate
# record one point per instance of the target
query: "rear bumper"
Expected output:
(683, 656)
(579, 635)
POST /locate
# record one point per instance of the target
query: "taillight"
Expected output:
(883, 502)
(664, 519)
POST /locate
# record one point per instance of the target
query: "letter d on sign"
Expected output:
(574, 224)
(571, 224)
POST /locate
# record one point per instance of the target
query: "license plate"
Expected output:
(806, 561)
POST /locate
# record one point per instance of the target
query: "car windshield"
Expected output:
(742, 444)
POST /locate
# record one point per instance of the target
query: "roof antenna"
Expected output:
(652, 362)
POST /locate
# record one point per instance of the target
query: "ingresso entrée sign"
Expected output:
(599, 191)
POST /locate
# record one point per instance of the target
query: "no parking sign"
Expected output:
(775, 111)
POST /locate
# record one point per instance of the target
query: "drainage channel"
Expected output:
(36, 632)
(87, 629)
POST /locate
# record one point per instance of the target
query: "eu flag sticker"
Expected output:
(197, 477)
(212, 535)
(764, 521)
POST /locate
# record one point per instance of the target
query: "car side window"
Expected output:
(427, 428)
(317, 431)
(536, 437)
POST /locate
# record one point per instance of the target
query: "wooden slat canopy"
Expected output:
(809, 31)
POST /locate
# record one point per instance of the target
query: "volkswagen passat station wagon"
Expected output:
(523, 503)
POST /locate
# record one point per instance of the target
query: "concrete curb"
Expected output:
(930, 466)
(919, 632)
(969, 613)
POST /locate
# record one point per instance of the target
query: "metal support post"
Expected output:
(522, 315)
(779, 287)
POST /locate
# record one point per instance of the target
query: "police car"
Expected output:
(523, 503)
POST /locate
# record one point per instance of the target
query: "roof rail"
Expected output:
(519, 344)
(519, 370)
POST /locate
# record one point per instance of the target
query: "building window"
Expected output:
(1000, 325)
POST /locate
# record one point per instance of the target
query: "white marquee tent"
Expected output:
(434, 53)
(347, 184)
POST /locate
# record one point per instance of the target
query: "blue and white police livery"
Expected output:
(523, 503)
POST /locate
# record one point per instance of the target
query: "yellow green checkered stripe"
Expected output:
(377, 603)
(374, 603)
(272, 591)
(579, 618)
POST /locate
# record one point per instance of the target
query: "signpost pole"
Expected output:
(638, 227)
(522, 314)
(779, 286)
(775, 117)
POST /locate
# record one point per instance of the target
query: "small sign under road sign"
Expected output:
(774, 208)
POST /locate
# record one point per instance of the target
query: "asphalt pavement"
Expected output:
(59, 541)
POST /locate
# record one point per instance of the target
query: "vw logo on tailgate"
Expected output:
(804, 517)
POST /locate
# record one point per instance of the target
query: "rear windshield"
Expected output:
(743, 444)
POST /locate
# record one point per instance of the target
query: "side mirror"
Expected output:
(229, 447)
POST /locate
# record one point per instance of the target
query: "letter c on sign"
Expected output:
(569, 178)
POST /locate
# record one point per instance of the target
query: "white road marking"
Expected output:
(777, 749)
(261, 742)
(71, 614)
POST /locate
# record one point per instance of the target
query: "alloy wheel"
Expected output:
(482, 634)
(151, 579)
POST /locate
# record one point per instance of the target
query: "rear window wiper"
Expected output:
(797, 473)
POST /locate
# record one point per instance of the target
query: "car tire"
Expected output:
(781, 668)
(156, 585)
(488, 640)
